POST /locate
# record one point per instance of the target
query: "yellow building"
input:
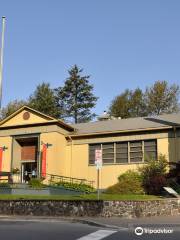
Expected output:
(32, 141)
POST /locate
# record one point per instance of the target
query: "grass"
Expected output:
(81, 197)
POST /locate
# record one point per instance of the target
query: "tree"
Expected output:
(76, 98)
(157, 99)
(43, 100)
(162, 98)
(120, 106)
(11, 107)
(128, 104)
(137, 104)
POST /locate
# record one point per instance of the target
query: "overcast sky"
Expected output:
(120, 43)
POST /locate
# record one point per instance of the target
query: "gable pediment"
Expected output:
(25, 116)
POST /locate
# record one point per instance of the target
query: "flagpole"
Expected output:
(1, 58)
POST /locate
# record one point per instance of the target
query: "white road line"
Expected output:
(100, 234)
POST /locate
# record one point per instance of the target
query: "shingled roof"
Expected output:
(130, 124)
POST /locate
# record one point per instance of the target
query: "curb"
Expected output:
(18, 218)
(97, 224)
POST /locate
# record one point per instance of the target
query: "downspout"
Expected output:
(175, 143)
(71, 155)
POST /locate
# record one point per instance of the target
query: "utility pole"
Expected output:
(1, 58)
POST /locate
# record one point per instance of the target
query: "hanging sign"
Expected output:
(1, 157)
(44, 153)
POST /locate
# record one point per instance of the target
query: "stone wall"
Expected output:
(51, 208)
(127, 209)
(132, 209)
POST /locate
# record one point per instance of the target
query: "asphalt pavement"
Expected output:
(34, 228)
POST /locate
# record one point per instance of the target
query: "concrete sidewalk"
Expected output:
(125, 223)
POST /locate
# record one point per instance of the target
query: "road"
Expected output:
(64, 230)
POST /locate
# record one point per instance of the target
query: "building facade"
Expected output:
(32, 141)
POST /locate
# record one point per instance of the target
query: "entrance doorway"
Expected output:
(28, 171)
(26, 156)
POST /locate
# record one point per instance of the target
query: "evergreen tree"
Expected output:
(76, 98)
(43, 100)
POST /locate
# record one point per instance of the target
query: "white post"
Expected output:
(1, 58)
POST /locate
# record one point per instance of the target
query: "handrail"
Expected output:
(56, 178)
(52, 178)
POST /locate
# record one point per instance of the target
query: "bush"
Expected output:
(15, 171)
(153, 175)
(75, 186)
(36, 183)
(129, 182)
(155, 185)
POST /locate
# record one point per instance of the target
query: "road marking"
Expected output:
(100, 234)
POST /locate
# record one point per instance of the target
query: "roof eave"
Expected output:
(122, 131)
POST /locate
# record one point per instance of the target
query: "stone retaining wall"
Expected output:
(128, 209)
(132, 209)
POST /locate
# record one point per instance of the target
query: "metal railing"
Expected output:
(52, 178)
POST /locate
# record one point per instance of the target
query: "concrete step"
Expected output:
(21, 185)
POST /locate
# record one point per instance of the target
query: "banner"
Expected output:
(44, 153)
(1, 156)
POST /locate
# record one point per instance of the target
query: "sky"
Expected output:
(120, 43)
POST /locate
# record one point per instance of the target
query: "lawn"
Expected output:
(82, 197)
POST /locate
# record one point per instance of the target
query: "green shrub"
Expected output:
(129, 182)
(75, 186)
(36, 183)
(156, 184)
(153, 175)
(15, 171)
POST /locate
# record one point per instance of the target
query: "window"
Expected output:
(136, 153)
(108, 152)
(92, 149)
(122, 152)
(150, 149)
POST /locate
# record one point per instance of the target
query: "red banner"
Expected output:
(1, 156)
(44, 152)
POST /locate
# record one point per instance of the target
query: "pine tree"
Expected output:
(43, 100)
(76, 98)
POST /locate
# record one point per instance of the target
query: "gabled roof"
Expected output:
(39, 118)
(165, 121)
